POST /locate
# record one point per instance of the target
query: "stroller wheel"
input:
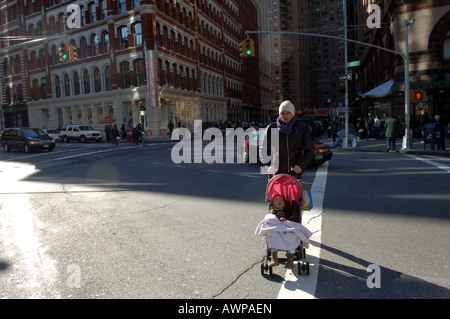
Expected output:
(265, 268)
(303, 268)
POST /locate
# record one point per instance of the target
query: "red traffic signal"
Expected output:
(420, 95)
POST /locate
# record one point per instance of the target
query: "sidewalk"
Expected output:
(374, 145)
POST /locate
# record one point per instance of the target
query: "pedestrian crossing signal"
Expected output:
(418, 96)
(421, 96)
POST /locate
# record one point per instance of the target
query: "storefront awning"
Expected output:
(382, 90)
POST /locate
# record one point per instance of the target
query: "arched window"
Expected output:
(121, 6)
(175, 70)
(105, 42)
(92, 12)
(123, 37)
(137, 34)
(76, 84)
(66, 85)
(62, 22)
(139, 71)
(83, 47)
(107, 75)
(55, 55)
(94, 45)
(447, 46)
(160, 72)
(97, 80)
(86, 82)
(125, 73)
(167, 73)
(57, 87)
(104, 9)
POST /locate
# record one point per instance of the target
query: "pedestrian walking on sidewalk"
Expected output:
(377, 126)
(392, 127)
(439, 133)
(423, 121)
(115, 134)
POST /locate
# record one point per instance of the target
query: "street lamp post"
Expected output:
(345, 144)
(407, 139)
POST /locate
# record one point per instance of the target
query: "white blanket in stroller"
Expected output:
(285, 235)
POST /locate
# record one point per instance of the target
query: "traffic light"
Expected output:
(241, 49)
(64, 52)
(420, 96)
(73, 53)
(247, 48)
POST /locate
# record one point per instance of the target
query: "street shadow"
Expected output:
(345, 282)
(3, 265)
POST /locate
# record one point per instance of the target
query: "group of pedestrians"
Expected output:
(439, 131)
(114, 134)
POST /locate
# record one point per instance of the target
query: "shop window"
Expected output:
(447, 46)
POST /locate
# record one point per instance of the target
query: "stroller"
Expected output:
(291, 189)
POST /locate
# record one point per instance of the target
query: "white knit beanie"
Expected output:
(288, 106)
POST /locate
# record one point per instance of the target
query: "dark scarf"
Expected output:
(285, 128)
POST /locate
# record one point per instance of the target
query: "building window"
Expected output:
(447, 46)
(107, 74)
(122, 6)
(44, 88)
(66, 85)
(86, 82)
(125, 72)
(76, 83)
(123, 37)
(83, 46)
(62, 23)
(139, 71)
(97, 80)
(137, 34)
(105, 42)
(83, 15)
(41, 58)
(57, 87)
(94, 45)
(135, 4)
(92, 12)
(104, 9)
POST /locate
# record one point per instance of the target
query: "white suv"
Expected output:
(81, 133)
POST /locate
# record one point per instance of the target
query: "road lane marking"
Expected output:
(430, 162)
(304, 287)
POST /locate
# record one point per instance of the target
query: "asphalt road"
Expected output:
(100, 221)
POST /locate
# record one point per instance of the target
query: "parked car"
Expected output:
(81, 133)
(322, 152)
(54, 134)
(26, 138)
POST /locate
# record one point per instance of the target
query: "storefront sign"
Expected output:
(430, 85)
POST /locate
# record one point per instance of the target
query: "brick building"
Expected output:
(381, 74)
(148, 61)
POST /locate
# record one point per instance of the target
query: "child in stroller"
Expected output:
(282, 227)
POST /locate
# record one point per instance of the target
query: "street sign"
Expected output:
(353, 64)
(345, 77)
